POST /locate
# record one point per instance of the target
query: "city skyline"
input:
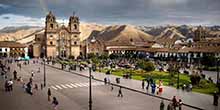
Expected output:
(139, 12)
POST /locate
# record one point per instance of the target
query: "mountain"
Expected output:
(87, 28)
(169, 36)
(25, 34)
(154, 31)
(123, 34)
(13, 29)
(215, 28)
(15, 33)
(187, 31)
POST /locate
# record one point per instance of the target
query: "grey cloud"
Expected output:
(124, 11)
(6, 17)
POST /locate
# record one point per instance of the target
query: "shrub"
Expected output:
(113, 56)
(91, 55)
(195, 79)
(203, 84)
(103, 56)
(146, 65)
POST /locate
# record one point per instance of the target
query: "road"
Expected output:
(72, 93)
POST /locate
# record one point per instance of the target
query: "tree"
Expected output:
(91, 55)
(208, 60)
(195, 79)
(113, 56)
(146, 65)
(103, 56)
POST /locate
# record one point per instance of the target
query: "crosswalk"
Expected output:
(74, 85)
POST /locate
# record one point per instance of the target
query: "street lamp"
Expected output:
(44, 66)
(176, 69)
(87, 44)
(90, 87)
(217, 71)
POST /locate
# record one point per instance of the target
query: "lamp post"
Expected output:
(178, 79)
(176, 69)
(90, 87)
(44, 66)
(87, 48)
(218, 72)
(87, 44)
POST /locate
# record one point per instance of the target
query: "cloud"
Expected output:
(118, 11)
(6, 17)
(4, 6)
(18, 20)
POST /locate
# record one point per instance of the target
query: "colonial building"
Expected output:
(58, 40)
(13, 49)
(200, 34)
(189, 51)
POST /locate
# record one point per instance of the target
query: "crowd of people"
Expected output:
(28, 87)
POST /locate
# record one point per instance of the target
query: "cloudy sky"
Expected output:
(137, 12)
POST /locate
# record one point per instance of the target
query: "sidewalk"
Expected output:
(191, 98)
(18, 99)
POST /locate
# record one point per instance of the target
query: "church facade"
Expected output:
(58, 40)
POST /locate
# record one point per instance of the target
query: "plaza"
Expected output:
(71, 89)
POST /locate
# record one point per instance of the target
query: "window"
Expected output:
(75, 36)
(51, 43)
(75, 26)
(51, 36)
(75, 43)
(51, 26)
(6, 50)
(0, 50)
(38, 39)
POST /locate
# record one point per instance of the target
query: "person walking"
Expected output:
(120, 93)
(55, 103)
(29, 88)
(170, 107)
(105, 80)
(174, 100)
(153, 88)
(162, 105)
(10, 85)
(180, 103)
(49, 94)
(15, 74)
(215, 99)
(142, 84)
(148, 83)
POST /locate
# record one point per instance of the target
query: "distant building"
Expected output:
(58, 41)
(13, 49)
(200, 34)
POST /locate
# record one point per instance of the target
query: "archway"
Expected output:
(30, 51)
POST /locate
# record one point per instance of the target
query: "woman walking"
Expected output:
(55, 103)
(49, 94)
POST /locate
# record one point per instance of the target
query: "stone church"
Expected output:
(58, 40)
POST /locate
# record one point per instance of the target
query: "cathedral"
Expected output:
(58, 40)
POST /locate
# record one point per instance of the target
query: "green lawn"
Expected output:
(167, 79)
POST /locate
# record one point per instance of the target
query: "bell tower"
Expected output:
(200, 34)
(74, 23)
(75, 40)
(51, 24)
(51, 27)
